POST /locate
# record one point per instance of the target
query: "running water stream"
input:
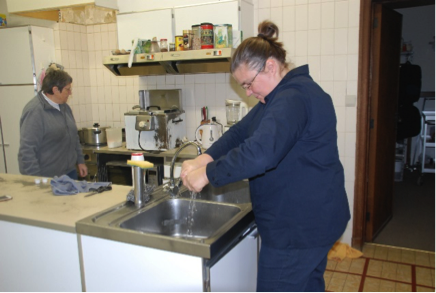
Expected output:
(191, 211)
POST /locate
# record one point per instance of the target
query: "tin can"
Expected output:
(223, 36)
(206, 35)
(179, 43)
(187, 39)
(196, 37)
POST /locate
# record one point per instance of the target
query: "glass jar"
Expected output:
(172, 46)
(163, 45)
(154, 47)
(146, 46)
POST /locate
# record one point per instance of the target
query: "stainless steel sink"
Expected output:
(220, 217)
(237, 192)
(182, 218)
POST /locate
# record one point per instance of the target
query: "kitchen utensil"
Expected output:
(211, 132)
(235, 111)
(5, 197)
(95, 135)
(98, 190)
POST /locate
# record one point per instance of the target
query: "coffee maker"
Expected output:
(157, 123)
(235, 110)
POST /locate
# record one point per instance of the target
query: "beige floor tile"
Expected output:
(400, 287)
(371, 285)
(368, 250)
(357, 265)
(327, 278)
(331, 265)
(389, 271)
(424, 290)
(344, 266)
(352, 283)
(339, 276)
(432, 277)
(424, 276)
(394, 254)
(431, 259)
(336, 285)
(375, 268)
(381, 252)
(387, 286)
(422, 259)
(404, 273)
(408, 256)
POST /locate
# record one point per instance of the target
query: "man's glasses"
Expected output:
(247, 86)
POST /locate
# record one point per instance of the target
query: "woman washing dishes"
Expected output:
(287, 147)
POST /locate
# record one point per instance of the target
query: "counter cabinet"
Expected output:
(115, 266)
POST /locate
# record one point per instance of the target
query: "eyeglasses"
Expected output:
(68, 89)
(247, 86)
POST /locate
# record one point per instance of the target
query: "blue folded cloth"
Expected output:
(64, 185)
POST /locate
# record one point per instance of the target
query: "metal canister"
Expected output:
(223, 36)
(187, 39)
(179, 43)
(206, 35)
(196, 37)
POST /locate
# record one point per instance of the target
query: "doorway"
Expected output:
(372, 212)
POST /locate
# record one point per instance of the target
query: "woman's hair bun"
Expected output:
(267, 29)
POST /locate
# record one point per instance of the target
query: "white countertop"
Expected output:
(35, 204)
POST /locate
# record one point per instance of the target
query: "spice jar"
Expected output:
(163, 45)
(196, 37)
(206, 35)
(172, 46)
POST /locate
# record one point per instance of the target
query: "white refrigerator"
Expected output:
(24, 52)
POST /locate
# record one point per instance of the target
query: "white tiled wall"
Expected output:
(321, 33)
(324, 34)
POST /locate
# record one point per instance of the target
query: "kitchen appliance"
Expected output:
(157, 123)
(114, 137)
(235, 110)
(25, 52)
(210, 132)
(95, 135)
(90, 162)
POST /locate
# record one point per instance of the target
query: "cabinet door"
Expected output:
(216, 13)
(237, 270)
(12, 101)
(16, 56)
(144, 25)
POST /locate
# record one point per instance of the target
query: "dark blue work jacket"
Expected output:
(287, 148)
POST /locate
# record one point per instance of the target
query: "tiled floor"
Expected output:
(383, 269)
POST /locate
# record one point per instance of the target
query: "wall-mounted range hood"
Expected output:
(175, 62)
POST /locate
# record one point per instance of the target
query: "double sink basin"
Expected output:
(203, 224)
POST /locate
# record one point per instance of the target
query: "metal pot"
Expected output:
(95, 135)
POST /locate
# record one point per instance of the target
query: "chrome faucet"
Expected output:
(174, 187)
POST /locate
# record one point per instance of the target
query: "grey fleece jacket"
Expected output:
(49, 141)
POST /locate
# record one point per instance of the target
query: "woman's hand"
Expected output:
(191, 165)
(196, 179)
(83, 170)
